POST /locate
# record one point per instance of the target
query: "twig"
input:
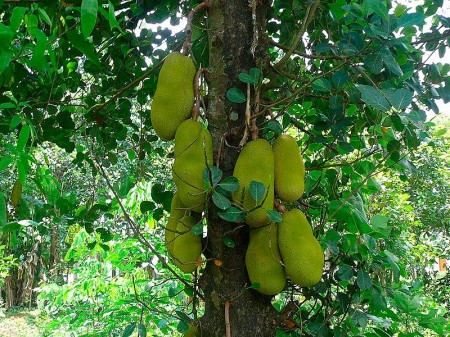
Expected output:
(248, 115)
(188, 30)
(227, 319)
(198, 99)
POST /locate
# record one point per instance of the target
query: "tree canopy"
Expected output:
(86, 184)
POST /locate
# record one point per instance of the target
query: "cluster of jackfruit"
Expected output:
(276, 251)
(171, 108)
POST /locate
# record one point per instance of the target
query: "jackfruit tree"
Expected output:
(238, 148)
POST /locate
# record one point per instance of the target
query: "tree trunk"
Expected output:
(233, 30)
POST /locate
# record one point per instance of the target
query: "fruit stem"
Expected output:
(198, 99)
(188, 30)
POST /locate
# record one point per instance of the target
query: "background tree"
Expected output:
(350, 80)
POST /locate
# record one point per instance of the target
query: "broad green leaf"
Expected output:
(182, 326)
(400, 99)
(24, 135)
(235, 95)
(129, 330)
(85, 47)
(374, 62)
(16, 120)
(4, 163)
(146, 206)
(232, 214)
(246, 78)
(411, 19)
(339, 78)
(400, 10)
(5, 57)
(212, 175)
(16, 18)
(257, 191)
(275, 126)
(3, 215)
(390, 62)
(373, 97)
(38, 61)
(344, 273)
(230, 184)
(110, 16)
(228, 242)
(274, 216)
(220, 200)
(322, 84)
(89, 9)
(376, 6)
(405, 302)
(142, 331)
(6, 36)
(44, 16)
(197, 229)
(363, 280)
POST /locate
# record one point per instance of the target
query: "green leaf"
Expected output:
(390, 62)
(24, 135)
(363, 280)
(3, 214)
(374, 62)
(380, 226)
(235, 95)
(110, 16)
(232, 214)
(376, 6)
(322, 84)
(373, 97)
(220, 201)
(411, 19)
(89, 9)
(4, 163)
(38, 59)
(274, 216)
(400, 99)
(182, 326)
(212, 175)
(275, 127)
(82, 45)
(16, 120)
(406, 302)
(339, 78)
(257, 191)
(246, 78)
(228, 242)
(344, 273)
(142, 331)
(129, 330)
(16, 18)
(230, 184)
(44, 16)
(197, 229)
(146, 206)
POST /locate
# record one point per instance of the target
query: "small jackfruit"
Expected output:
(16, 193)
(255, 163)
(289, 169)
(174, 96)
(193, 153)
(187, 247)
(263, 260)
(300, 251)
(177, 211)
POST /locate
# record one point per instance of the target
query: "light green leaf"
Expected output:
(44, 16)
(38, 59)
(17, 17)
(4, 163)
(376, 6)
(16, 120)
(89, 9)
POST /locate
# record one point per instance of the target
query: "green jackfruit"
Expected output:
(289, 169)
(193, 153)
(300, 251)
(177, 211)
(263, 260)
(255, 163)
(174, 96)
(187, 247)
(192, 331)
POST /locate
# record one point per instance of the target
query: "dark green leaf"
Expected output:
(142, 331)
(129, 330)
(275, 127)
(89, 9)
(339, 78)
(182, 326)
(197, 229)
(24, 135)
(322, 84)
(344, 273)
(374, 62)
(146, 206)
(390, 62)
(235, 95)
(377, 7)
(230, 184)
(373, 97)
(4, 163)
(212, 175)
(3, 214)
(232, 214)
(400, 99)
(363, 280)
(411, 19)
(257, 191)
(220, 200)
(228, 242)
(274, 216)
(82, 45)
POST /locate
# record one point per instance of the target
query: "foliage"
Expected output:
(350, 80)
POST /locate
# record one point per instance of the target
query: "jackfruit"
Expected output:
(300, 251)
(193, 153)
(187, 247)
(289, 169)
(263, 260)
(16, 193)
(255, 163)
(177, 211)
(174, 96)
(192, 331)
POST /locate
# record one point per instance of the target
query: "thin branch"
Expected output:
(188, 29)
(227, 319)
(198, 98)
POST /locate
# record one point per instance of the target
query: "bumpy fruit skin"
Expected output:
(289, 169)
(263, 260)
(193, 153)
(300, 251)
(174, 96)
(177, 211)
(187, 247)
(255, 163)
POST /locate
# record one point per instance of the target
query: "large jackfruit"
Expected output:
(300, 251)
(263, 260)
(177, 211)
(193, 153)
(174, 96)
(255, 163)
(289, 169)
(187, 247)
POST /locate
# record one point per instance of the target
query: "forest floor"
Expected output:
(23, 323)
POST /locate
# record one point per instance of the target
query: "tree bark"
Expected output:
(229, 304)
